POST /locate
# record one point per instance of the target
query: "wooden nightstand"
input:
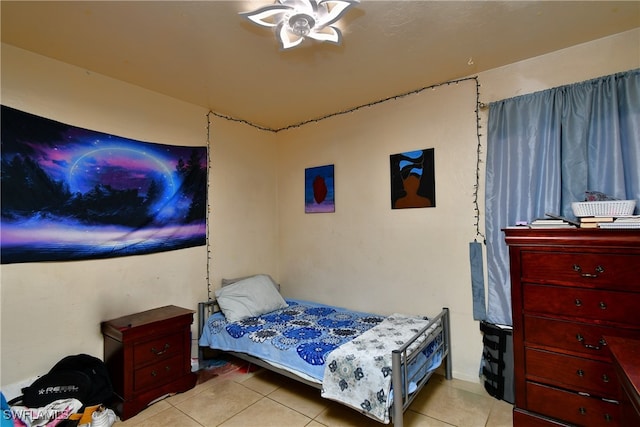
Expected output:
(148, 355)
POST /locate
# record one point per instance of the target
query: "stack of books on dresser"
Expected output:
(595, 221)
(630, 221)
(553, 221)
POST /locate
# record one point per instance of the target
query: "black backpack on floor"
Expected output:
(80, 376)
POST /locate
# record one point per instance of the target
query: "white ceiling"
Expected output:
(204, 53)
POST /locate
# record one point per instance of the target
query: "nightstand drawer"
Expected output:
(584, 338)
(158, 349)
(572, 407)
(577, 373)
(613, 271)
(609, 306)
(158, 374)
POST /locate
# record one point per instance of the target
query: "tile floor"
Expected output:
(263, 399)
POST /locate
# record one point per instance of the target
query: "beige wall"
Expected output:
(244, 202)
(371, 257)
(49, 310)
(367, 255)
(364, 255)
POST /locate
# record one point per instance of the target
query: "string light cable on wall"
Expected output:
(296, 20)
(479, 106)
(352, 110)
(208, 240)
(476, 189)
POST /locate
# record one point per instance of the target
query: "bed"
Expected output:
(374, 364)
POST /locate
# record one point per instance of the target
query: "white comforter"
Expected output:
(358, 373)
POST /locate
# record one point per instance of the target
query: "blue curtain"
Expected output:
(544, 150)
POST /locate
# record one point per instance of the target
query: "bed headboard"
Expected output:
(206, 309)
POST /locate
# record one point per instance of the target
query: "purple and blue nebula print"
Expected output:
(69, 193)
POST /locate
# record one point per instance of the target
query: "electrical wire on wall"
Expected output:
(351, 110)
(479, 105)
(476, 188)
(208, 240)
(476, 262)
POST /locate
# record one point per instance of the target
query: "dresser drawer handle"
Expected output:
(601, 343)
(578, 302)
(605, 378)
(603, 305)
(599, 269)
(583, 411)
(160, 352)
(580, 373)
(608, 418)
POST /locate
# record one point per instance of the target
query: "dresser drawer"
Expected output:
(608, 306)
(572, 407)
(159, 373)
(576, 373)
(157, 349)
(613, 271)
(576, 337)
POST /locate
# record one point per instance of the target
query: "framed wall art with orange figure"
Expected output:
(413, 179)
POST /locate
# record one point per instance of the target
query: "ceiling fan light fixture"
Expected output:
(295, 20)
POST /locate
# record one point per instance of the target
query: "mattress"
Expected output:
(297, 338)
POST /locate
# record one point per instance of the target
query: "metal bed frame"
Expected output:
(401, 358)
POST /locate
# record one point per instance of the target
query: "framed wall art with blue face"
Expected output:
(413, 179)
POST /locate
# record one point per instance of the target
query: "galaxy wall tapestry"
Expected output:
(69, 193)
(413, 179)
(319, 191)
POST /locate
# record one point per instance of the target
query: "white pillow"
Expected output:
(249, 297)
(227, 282)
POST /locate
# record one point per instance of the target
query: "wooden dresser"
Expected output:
(570, 288)
(148, 355)
(626, 361)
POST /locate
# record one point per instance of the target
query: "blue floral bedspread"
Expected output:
(298, 337)
(358, 373)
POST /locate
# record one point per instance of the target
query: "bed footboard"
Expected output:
(402, 358)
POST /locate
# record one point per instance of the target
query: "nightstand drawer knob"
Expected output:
(608, 418)
(580, 373)
(605, 378)
(578, 302)
(583, 411)
(160, 352)
(603, 305)
(154, 373)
